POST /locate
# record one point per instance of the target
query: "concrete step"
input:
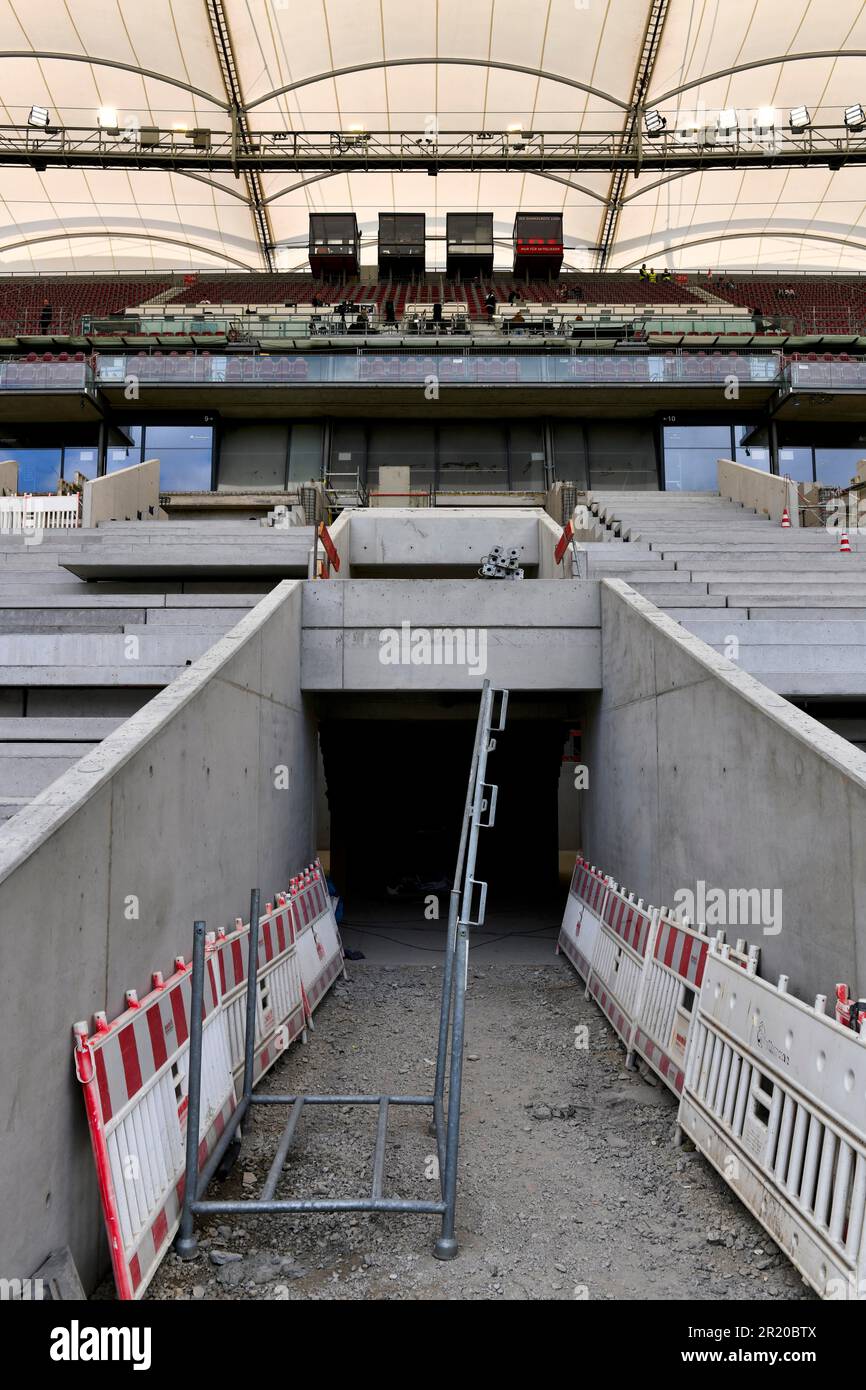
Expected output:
(27, 768)
(171, 648)
(782, 657)
(824, 614)
(44, 620)
(58, 730)
(787, 596)
(776, 580)
(688, 616)
(781, 631)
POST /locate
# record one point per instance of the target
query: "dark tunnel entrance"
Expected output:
(396, 786)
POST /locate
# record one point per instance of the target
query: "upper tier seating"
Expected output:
(22, 299)
(817, 304)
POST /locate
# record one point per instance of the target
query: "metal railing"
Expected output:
(479, 813)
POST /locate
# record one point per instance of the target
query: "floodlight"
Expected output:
(727, 124)
(855, 117)
(799, 118)
(106, 118)
(655, 124)
(765, 121)
(39, 116)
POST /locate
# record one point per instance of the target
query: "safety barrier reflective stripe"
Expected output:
(582, 915)
(617, 962)
(134, 1075)
(280, 1015)
(320, 950)
(674, 972)
(773, 1096)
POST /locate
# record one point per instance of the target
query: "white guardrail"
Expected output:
(27, 513)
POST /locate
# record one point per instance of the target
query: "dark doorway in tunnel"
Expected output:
(396, 790)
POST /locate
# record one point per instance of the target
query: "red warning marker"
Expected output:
(844, 544)
(786, 519)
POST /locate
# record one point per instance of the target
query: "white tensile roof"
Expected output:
(106, 219)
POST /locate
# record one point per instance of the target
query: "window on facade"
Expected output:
(38, 469)
(836, 467)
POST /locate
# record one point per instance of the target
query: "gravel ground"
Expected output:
(569, 1186)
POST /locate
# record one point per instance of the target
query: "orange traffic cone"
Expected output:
(786, 519)
(844, 544)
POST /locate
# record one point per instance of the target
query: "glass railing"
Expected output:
(827, 376)
(453, 369)
(45, 376)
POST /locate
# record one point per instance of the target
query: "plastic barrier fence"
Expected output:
(280, 1014)
(673, 975)
(320, 951)
(134, 1075)
(773, 1096)
(582, 916)
(618, 959)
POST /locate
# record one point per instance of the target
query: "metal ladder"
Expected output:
(467, 895)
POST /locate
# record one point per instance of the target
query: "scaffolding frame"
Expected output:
(479, 813)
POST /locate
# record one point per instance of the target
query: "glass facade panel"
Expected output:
(796, 462)
(472, 457)
(305, 452)
(691, 453)
(836, 467)
(395, 445)
(83, 461)
(569, 452)
(526, 453)
(38, 469)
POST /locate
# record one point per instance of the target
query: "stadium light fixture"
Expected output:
(765, 120)
(855, 117)
(106, 118)
(39, 116)
(800, 119)
(727, 126)
(655, 124)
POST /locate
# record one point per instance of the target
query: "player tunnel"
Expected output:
(394, 784)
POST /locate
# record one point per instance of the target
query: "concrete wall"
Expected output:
(761, 491)
(179, 810)
(8, 478)
(127, 495)
(536, 634)
(440, 537)
(698, 772)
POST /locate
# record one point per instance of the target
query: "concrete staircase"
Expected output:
(784, 604)
(79, 656)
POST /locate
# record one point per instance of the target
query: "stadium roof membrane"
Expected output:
(176, 63)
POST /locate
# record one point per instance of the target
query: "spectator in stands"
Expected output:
(437, 311)
(46, 314)
(757, 321)
(513, 298)
(316, 302)
(490, 301)
(390, 316)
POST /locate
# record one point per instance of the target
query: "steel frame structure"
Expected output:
(372, 151)
(479, 813)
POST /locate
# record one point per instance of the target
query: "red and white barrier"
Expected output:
(280, 1014)
(618, 959)
(320, 950)
(134, 1075)
(773, 1096)
(582, 917)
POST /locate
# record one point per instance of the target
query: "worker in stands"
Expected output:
(490, 301)
(643, 273)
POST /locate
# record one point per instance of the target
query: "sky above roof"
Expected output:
(105, 219)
